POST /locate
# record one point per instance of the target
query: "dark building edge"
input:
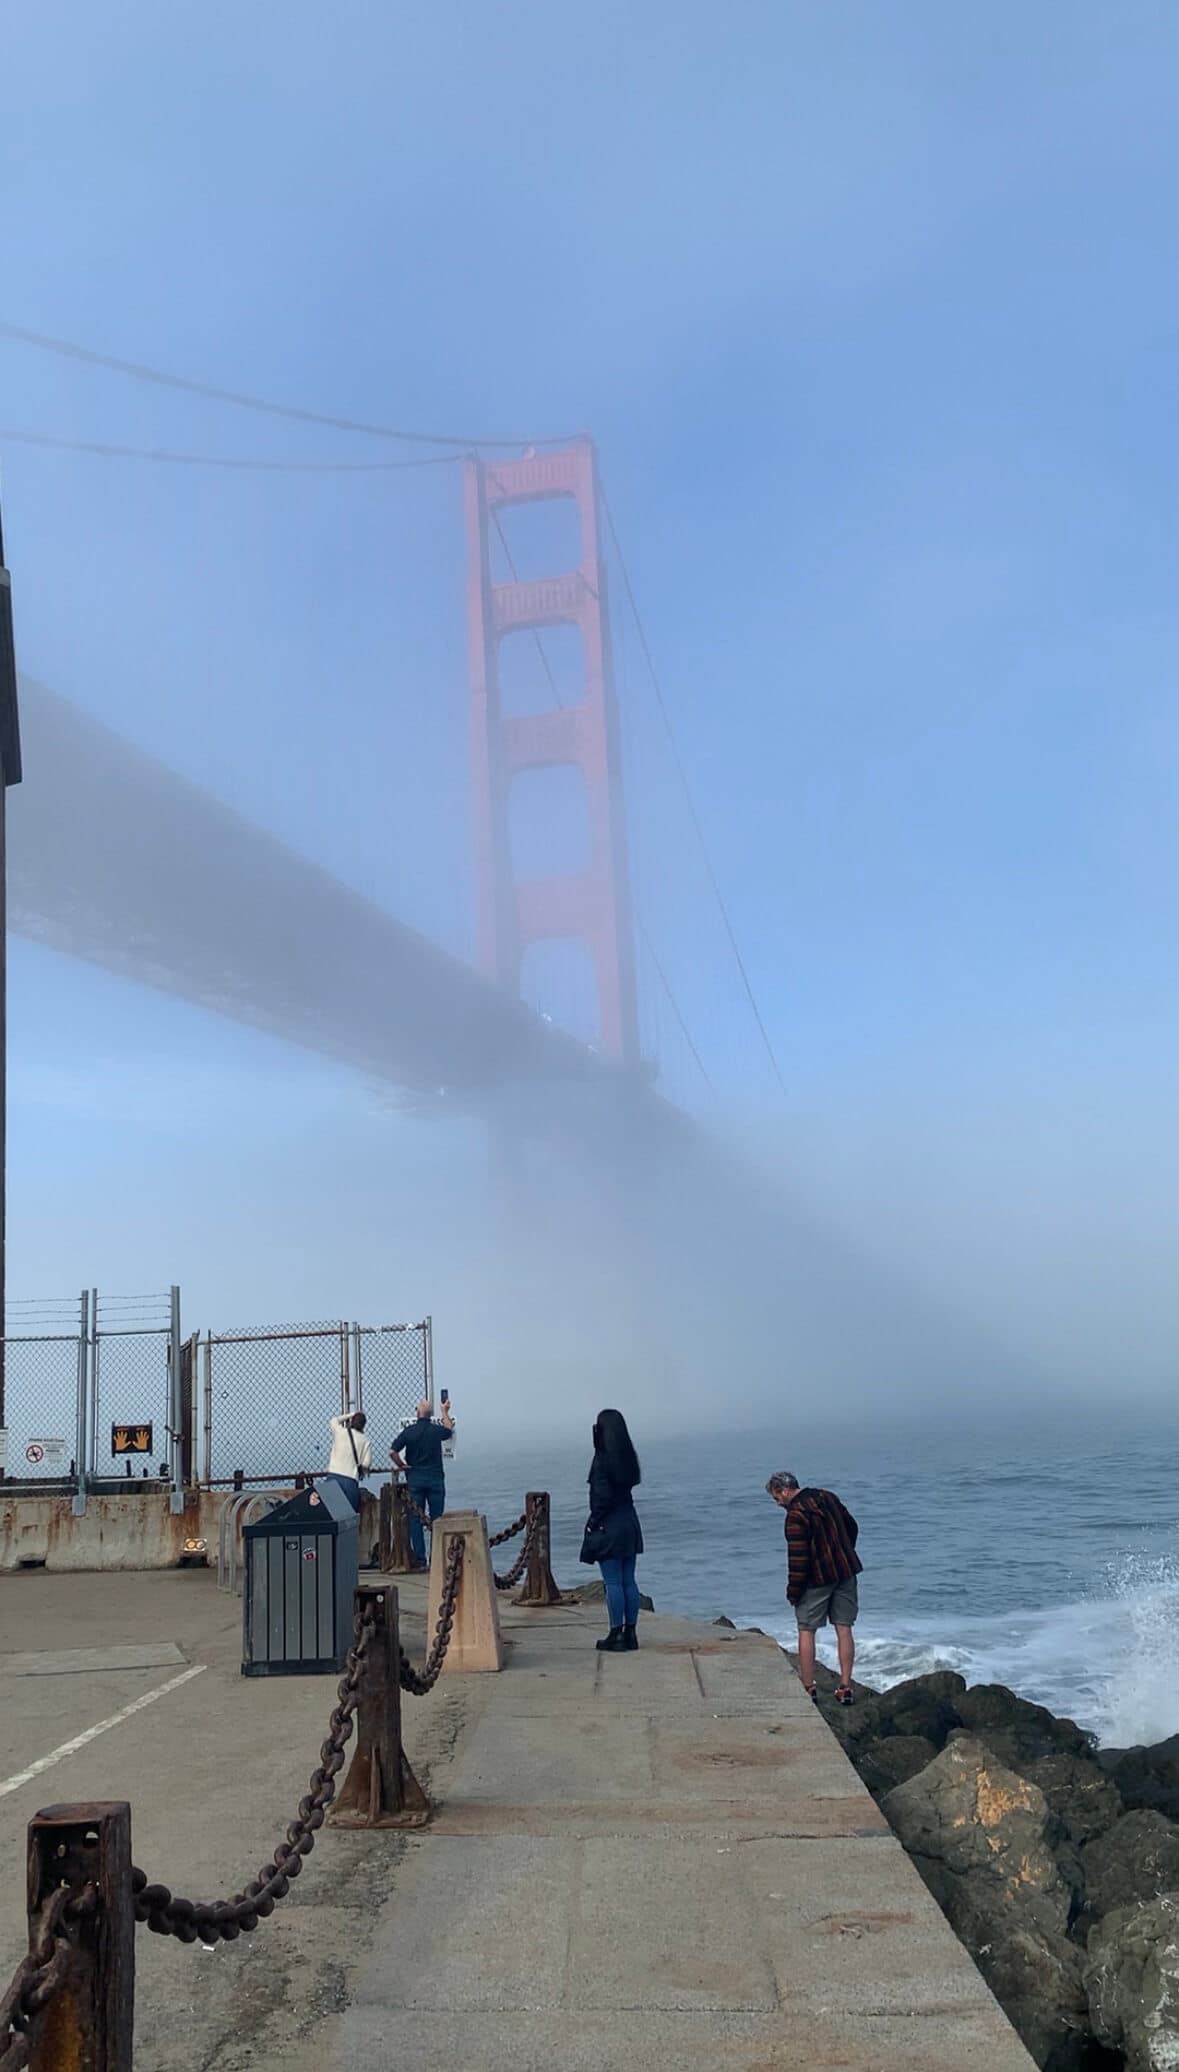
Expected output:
(10, 768)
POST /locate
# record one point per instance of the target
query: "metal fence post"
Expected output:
(380, 1789)
(539, 1586)
(345, 1372)
(81, 1424)
(175, 1404)
(356, 1377)
(87, 2025)
(428, 1360)
(207, 1439)
(93, 1381)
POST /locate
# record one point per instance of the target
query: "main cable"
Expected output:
(245, 464)
(644, 931)
(693, 810)
(140, 371)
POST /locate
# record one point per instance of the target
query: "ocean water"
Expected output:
(1053, 1568)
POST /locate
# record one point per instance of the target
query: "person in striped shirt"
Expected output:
(821, 1537)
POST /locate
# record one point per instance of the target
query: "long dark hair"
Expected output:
(613, 1445)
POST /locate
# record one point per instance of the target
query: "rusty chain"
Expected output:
(207, 1920)
(39, 1975)
(521, 1562)
(498, 1539)
(419, 1681)
(416, 1511)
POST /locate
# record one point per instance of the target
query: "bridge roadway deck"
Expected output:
(644, 1860)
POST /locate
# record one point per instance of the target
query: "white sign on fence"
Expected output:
(45, 1453)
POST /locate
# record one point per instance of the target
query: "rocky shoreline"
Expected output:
(1056, 1863)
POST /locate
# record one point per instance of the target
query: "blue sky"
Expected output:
(872, 312)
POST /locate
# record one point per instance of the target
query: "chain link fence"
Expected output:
(135, 1355)
(268, 1393)
(77, 1368)
(393, 1371)
(95, 1385)
(44, 1383)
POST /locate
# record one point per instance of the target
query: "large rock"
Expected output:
(1017, 1731)
(1147, 1777)
(1132, 1981)
(983, 1839)
(885, 1764)
(922, 1705)
(1038, 1980)
(1131, 1865)
(595, 1593)
(1085, 1801)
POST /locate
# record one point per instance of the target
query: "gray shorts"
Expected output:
(838, 1602)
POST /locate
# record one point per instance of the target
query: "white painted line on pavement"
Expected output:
(57, 1755)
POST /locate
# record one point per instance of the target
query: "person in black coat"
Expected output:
(613, 1535)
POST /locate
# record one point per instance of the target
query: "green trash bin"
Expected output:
(301, 1564)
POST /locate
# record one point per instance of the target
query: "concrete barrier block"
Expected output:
(476, 1646)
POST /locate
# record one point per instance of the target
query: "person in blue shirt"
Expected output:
(417, 1454)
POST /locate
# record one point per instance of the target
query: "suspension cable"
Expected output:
(210, 460)
(697, 823)
(140, 371)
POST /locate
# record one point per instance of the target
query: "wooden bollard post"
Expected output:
(380, 1789)
(89, 2022)
(538, 1587)
(395, 1558)
(475, 1643)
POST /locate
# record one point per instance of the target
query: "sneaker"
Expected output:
(812, 1691)
(845, 1695)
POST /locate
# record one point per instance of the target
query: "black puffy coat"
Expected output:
(613, 1532)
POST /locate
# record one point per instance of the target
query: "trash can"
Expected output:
(301, 1564)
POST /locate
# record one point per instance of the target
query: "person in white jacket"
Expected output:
(351, 1455)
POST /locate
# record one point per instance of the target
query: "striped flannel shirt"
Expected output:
(821, 1537)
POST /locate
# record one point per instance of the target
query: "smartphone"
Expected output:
(446, 1395)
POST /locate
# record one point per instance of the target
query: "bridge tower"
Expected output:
(592, 906)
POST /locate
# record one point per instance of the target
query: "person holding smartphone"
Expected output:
(416, 1453)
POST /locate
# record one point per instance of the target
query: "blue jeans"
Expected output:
(351, 1488)
(429, 1497)
(622, 1591)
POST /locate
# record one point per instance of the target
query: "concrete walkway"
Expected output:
(661, 1859)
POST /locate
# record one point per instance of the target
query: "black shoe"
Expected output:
(613, 1643)
(630, 1639)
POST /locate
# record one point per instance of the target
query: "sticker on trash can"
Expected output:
(308, 1553)
(290, 1546)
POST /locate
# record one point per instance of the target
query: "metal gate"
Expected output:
(135, 1385)
(268, 1394)
(87, 1374)
(43, 1401)
(392, 1371)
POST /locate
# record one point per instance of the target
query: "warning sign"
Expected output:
(45, 1453)
(130, 1438)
